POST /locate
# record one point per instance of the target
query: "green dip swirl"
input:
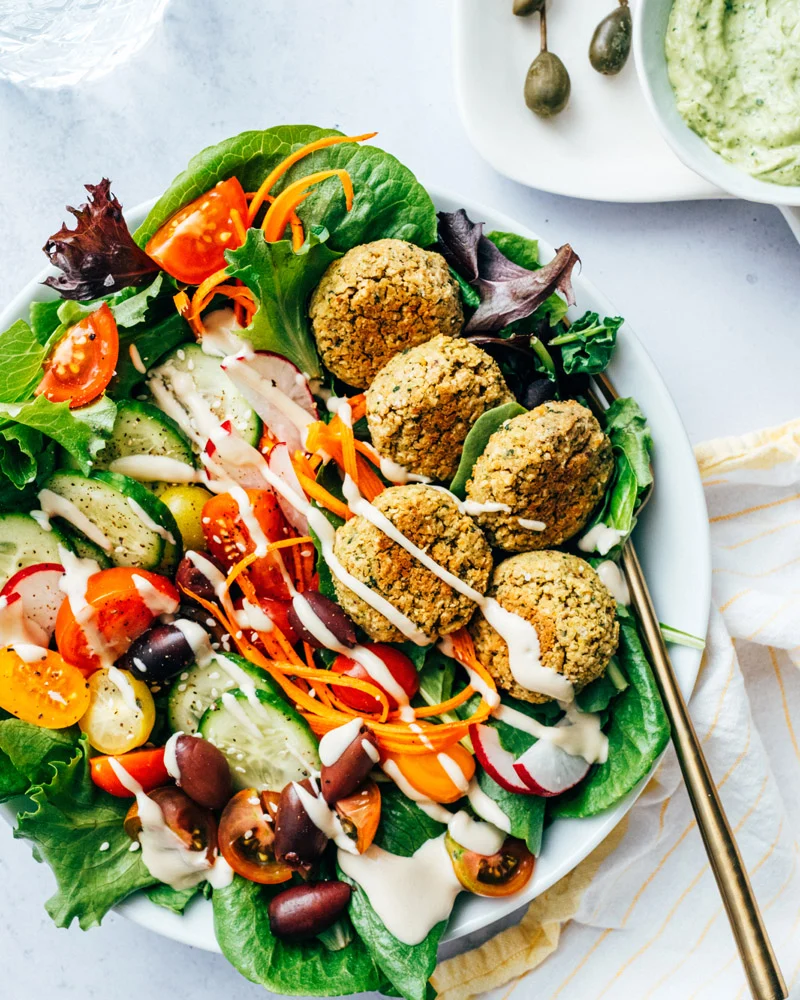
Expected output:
(735, 68)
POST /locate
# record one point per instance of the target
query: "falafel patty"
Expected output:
(378, 299)
(423, 402)
(571, 609)
(550, 465)
(430, 518)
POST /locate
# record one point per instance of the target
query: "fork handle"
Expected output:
(758, 958)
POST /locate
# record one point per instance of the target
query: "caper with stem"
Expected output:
(522, 8)
(611, 42)
(547, 85)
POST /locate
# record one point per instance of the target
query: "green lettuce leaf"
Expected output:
(21, 357)
(403, 829)
(174, 900)
(242, 928)
(389, 201)
(476, 441)
(587, 347)
(152, 342)
(525, 812)
(638, 732)
(282, 281)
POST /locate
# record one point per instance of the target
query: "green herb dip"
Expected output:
(735, 68)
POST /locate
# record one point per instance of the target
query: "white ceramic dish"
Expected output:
(604, 146)
(673, 543)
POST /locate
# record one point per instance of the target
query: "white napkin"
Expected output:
(649, 923)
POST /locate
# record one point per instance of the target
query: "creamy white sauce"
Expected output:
(437, 812)
(197, 638)
(214, 576)
(410, 895)
(18, 629)
(31, 652)
(231, 703)
(475, 835)
(170, 758)
(148, 522)
(74, 582)
(158, 603)
(42, 520)
(530, 525)
(334, 743)
(487, 808)
(122, 681)
(370, 750)
(578, 734)
(248, 518)
(54, 505)
(157, 468)
(475, 507)
(612, 577)
(253, 617)
(453, 771)
(219, 335)
(600, 539)
(393, 471)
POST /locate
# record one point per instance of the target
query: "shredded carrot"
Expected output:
(446, 706)
(181, 301)
(334, 439)
(324, 498)
(277, 217)
(238, 225)
(277, 172)
(358, 406)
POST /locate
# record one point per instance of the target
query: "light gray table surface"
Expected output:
(711, 288)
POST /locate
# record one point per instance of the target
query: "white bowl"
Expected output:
(672, 540)
(650, 19)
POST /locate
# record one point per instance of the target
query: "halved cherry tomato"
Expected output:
(360, 814)
(247, 834)
(278, 613)
(400, 667)
(41, 688)
(121, 712)
(500, 874)
(195, 826)
(145, 766)
(191, 245)
(229, 540)
(428, 776)
(81, 364)
(120, 615)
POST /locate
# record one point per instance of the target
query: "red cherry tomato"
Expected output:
(81, 364)
(191, 245)
(500, 874)
(229, 540)
(400, 667)
(247, 836)
(120, 615)
(145, 766)
(278, 613)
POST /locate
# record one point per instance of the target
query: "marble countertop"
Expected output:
(711, 288)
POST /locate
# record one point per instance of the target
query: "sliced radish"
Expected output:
(37, 589)
(497, 762)
(277, 391)
(280, 462)
(230, 458)
(549, 770)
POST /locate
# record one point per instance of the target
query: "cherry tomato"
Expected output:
(41, 688)
(426, 774)
(186, 506)
(81, 364)
(400, 667)
(121, 712)
(120, 615)
(500, 874)
(229, 540)
(191, 245)
(360, 814)
(145, 766)
(194, 825)
(247, 835)
(277, 612)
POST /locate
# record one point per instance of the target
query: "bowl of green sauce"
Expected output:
(722, 78)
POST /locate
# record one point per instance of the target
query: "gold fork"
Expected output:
(757, 955)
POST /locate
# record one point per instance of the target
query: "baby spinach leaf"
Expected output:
(436, 676)
(587, 347)
(525, 812)
(282, 280)
(477, 439)
(174, 900)
(242, 928)
(388, 202)
(638, 732)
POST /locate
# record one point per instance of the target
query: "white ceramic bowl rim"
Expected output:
(674, 548)
(649, 30)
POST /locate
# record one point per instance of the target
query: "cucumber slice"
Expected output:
(222, 397)
(142, 429)
(83, 548)
(267, 743)
(199, 687)
(23, 542)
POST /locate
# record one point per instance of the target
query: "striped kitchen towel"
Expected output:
(641, 917)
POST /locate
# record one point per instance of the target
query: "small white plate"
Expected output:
(603, 146)
(672, 541)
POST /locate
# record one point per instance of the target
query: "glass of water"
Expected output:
(56, 43)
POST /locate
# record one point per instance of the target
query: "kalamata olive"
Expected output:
(298, 842)
(197, 613)
(193, 824)
(199, 573)
(329, 614)
(537, 392)
(158, 654)
(522, 8)
(306, 910)
(200, 769)
(547, 85)
(349, 770)
(611, 42)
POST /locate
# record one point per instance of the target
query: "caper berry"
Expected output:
(522, 8)
(547, 85)
(611, 41)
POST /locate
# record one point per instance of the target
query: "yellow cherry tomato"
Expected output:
(186, 505)
(433, 776)
(121, 712)
(40, 687)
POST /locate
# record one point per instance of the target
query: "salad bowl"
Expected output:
(672, 539)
